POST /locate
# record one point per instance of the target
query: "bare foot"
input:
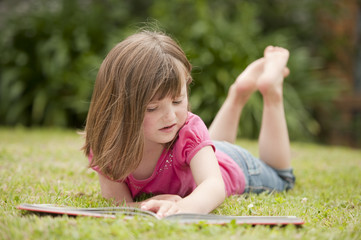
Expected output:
(246, 82)
(270, 83)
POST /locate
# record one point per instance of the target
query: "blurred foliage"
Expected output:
(223, 37)
(52, 49)
(49, 50)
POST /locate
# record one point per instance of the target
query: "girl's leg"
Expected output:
(274, 145)
(225, 125)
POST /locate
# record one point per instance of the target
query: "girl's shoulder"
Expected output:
(191, 138)
(193, 127)
(193, 120)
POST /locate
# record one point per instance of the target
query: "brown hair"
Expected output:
(144, 65)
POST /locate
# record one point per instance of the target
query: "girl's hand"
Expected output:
(162, 208)
(168, 197)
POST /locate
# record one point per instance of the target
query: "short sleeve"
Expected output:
(96, 168)
(192, 137)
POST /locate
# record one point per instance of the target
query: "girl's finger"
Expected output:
(151, 205)
(174, 209)
(164, 208)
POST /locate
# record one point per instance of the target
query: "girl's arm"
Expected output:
(118, 191)
(210, 191)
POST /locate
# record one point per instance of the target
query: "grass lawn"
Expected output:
(47, 166)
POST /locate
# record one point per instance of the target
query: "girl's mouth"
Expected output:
(168, 128)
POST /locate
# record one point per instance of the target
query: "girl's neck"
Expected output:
(151, 155)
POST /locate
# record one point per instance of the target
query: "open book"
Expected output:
(130, 212)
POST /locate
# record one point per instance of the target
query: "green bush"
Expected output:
(223, 37)
(52, 49)
(50, 52)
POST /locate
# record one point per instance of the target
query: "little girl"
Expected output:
(141, 137)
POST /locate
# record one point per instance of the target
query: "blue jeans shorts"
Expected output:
(258, 175)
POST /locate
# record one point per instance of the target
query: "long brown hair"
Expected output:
(136, 70)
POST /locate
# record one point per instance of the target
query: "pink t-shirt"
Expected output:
(172, 174)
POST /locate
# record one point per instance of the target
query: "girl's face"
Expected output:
(163, 118)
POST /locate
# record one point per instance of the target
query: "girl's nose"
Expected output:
(169, 114)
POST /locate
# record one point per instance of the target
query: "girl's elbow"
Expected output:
(221, 189)
(224, 192)
(221, 193)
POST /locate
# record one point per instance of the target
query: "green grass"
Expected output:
(47, 166)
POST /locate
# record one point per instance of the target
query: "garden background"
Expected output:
(51, 50)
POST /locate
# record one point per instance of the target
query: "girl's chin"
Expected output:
(168, 139)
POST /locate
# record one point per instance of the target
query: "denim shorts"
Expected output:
(259, 176)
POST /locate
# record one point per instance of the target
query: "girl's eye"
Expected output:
(151, 109)
(177, 102)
